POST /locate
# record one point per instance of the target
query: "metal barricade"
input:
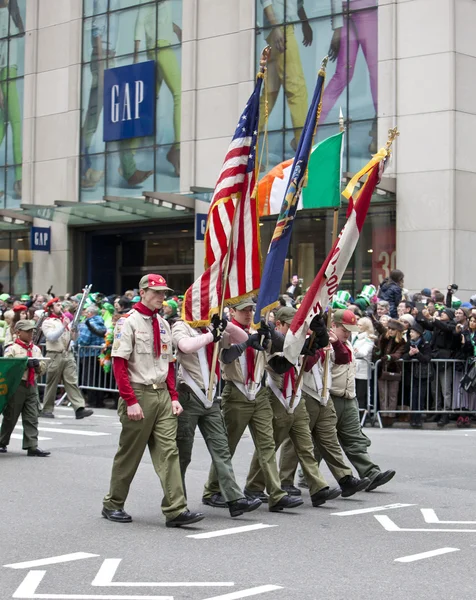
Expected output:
(431, 389)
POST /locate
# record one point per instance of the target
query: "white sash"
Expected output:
(205, 370)
(316, 392)
(251, 389)
(285, 401)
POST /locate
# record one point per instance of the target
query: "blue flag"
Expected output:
(278, 249)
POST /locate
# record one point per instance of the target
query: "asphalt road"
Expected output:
(51, 507)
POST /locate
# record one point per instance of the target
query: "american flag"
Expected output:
(233, 203)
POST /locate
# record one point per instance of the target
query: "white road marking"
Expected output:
(262, 589)
(389, 525)
(52, 560)
(109, 567)
(69, 431)
(430, 517)
(422, 555)
(18, 436)
(27, 590)
(361, 511)
(230, 531)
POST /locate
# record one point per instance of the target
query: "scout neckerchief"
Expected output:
(143, 310)
(210, 349)
(250, 357)
(31, 370)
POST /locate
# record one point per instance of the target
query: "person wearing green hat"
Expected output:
(170, 311)
(341, 299)
(25, 400)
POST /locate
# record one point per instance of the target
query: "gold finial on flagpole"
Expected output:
(264, 60)
(392, 136)
(322, 70)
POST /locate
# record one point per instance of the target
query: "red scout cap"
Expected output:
(154, 282)
(346, 318)
(50, 303)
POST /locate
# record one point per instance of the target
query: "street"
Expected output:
(413, 538)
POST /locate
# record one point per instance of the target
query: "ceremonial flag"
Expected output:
(233, 217)
(326, 283)
(278, 249)
(11, 372)
(324, 177)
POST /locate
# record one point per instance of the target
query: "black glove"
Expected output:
(254, 342)
(33, 363)
(219, 326)
(310, 347)
(318, 326)
(264, 331)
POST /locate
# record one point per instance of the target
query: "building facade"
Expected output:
(120, 207)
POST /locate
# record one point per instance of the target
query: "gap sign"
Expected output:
(41, 239)
(129, 101)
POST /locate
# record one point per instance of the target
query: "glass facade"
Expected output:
(12, 69)
(300, 34)
(123, 32)
(16, 262)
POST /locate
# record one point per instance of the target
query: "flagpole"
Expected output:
(335, 226)
(263, 62)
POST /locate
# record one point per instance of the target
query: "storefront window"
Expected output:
(118, 33)
(12, 69)
(15, 262)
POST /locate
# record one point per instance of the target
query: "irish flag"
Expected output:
(324, 177)
(326, 283)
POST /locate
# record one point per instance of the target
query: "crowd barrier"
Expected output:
(434, 390)
(431, 390)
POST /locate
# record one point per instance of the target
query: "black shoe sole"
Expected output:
(185, 523)
(332, 496)
(383, 481)
(280, 508)
(359, 488)
(209, 502)
(106, 516)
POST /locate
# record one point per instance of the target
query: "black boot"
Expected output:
(238, 507)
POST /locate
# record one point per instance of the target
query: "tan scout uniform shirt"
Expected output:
(58, 338)
(275, 383)
(343, 377)
(134, 341)
(194, 370)
(16, 351)
(313, 381)
(237, 372)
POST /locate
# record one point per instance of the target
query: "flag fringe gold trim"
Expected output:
(349, 190)
(215, 310)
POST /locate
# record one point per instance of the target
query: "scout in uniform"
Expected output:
(144, 369)
(62, 365)
(244, 405)
(195, 351)
(349, 432)
(25, 401)
(322, 423)
(292, 421)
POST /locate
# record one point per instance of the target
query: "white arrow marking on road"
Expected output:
(389, 525)
(109, 567)
(230, 531)
(422, 555)
(262, 589)
(361, 511)
(28, 587)
(71, 431)
(430, 517)
(18, 436)
(53, 560)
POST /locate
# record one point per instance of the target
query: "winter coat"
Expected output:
(443, 342)
(421, 370)
(363, 347)
(392, 293)
(385, 347)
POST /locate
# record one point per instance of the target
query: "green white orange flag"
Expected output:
(324, 177)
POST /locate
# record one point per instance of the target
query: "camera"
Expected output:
(453, 287)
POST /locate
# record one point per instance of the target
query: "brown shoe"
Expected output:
(139, 177)
(173, 156)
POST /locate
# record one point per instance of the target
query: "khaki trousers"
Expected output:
(322, 424)
(158, 431)
(62, 366)
(25, 402)
(212, 427)
(239, 413)
(296, 427)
